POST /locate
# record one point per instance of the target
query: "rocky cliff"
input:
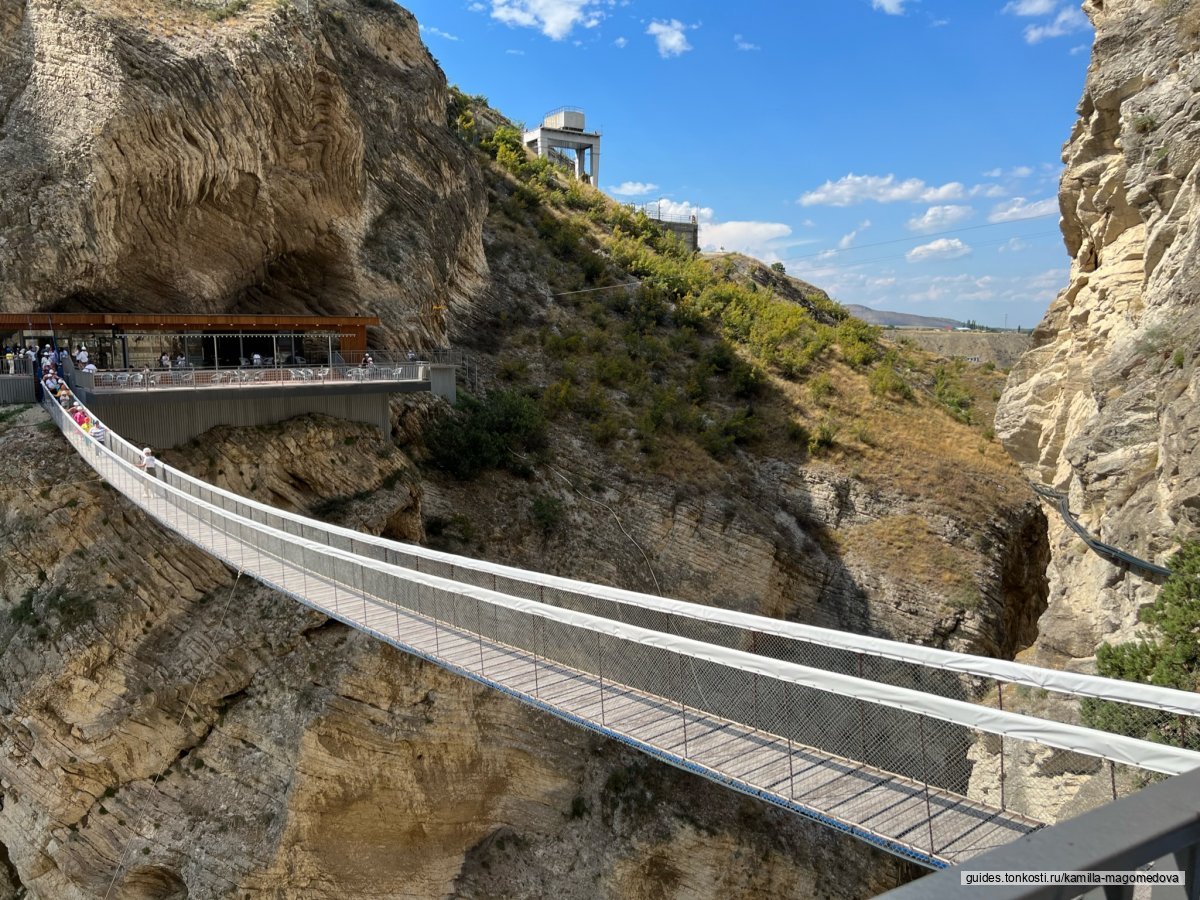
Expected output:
(234, 156)
(1104, 406)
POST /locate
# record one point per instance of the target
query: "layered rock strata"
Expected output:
(1104, 407)
(250, 157)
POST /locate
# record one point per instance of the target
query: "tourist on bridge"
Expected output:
(81, 356)
(98, 433)
(148, 464)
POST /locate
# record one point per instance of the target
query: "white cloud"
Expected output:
(621, 42)
(1030, 7)
(1079, 48)
(854, 189)
(987, 190)
(633, 189)
(1019, 208)
(670, 37)
(939, 218)
(742, 44)
(1014, 172)
(942, 248)
(1013, 245)
(751, 238)
(515, 52)
(1068, 21)
(891, 7)
(477, 7)
(437, 32)
(847, 240)
(554, 18)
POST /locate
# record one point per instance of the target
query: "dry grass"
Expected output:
(911, 447)
(191, 19)
(906, 548)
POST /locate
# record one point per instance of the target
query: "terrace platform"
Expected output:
(167, 409)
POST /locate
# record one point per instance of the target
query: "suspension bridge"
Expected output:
(932, 755)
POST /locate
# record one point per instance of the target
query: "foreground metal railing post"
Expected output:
(682, 704)
(787, 705)
(600, 670)
(479, 631)
(754, 700)
(1000, 706)
(537, 687)
(925, 778)
(862, 715)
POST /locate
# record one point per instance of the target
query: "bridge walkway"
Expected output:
(931, 825)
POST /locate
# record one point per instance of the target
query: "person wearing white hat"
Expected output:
(149, 465)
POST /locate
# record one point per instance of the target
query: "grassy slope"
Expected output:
(685, 368)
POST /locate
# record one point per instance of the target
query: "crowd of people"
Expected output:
(55, 386)
(29, 360)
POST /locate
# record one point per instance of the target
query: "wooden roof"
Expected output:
(182, 322)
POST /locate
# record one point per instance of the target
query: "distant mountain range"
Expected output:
(899, 320)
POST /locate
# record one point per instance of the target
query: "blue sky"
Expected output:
(901, 154)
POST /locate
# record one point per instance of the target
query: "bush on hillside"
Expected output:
(1169, 656)
(486, 433)
(885, 380)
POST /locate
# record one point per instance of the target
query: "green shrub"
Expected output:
(859, 341)
(1168, 656)
(486, 433)
(821, 388)
(512, 369)
(885, 381)
(547, 514)
(605, 430)
(823, 438)
(951, 393)
(740, 428)
(617, 370)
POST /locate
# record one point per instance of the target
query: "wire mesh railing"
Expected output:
(899, 753)
(1167, 715)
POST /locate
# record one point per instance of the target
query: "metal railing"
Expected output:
(1114, 555)
(196, 378)
(898, 745)
(1154, 831)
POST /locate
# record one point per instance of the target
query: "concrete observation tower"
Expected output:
(562, 130)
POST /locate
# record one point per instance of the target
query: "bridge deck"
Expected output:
(903, 816)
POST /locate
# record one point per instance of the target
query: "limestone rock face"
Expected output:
(1105, 404)
(270, 157)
